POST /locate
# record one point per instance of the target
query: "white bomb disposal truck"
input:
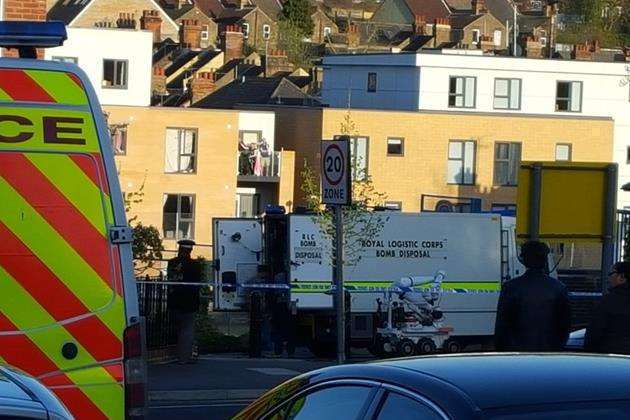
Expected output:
(289, 254)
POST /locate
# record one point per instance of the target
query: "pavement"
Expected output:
(219, 386)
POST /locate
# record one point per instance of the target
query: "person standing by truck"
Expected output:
(533, 313)
(184, 300)
(609, 331)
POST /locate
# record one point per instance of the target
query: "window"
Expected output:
(397, 406)
(462, 92)
(498, 37)
(245, 30)
(73, 60)
(563, 152)
(118, 134)
(569, 96)
(359, 155)
(266, 31)
(507, 94)
(247, 205)
(178, 216)
(115, 74)
(181, 148)
(327, 31)
(395, 146)
(393, 205)
(628, 155)
(340, 402)
(371, 82)
(507, 159)
(461, 162)
(543, 41)
(503, 207)
(476, 34)
(205, 32)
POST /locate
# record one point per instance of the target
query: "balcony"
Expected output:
(256, 167)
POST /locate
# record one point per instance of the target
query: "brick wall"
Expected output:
(23, 10)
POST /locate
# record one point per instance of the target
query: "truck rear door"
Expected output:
(237, 246)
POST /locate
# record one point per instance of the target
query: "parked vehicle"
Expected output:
(477, 251)
(463, 387)
(23, 397)
(69, 309)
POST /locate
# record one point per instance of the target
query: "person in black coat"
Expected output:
(533, 314)
(609, 331)
(183, 301)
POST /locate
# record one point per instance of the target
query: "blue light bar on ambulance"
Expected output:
(21, 34)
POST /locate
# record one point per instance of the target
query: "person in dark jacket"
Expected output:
(609, 331)
(184, 300)
(533, 313)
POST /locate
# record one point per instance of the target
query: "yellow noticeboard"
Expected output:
(566, 200)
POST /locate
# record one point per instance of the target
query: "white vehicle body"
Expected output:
(478, 251)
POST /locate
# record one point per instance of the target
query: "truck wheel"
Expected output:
(406, 348)
(377, 348)
(452, 346)
(425, 346)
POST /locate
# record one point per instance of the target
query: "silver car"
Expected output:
(23, 397)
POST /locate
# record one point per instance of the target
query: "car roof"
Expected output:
(10, 389)
(503, 380)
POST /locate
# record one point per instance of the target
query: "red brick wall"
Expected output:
(23, 10)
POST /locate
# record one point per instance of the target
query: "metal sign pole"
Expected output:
(610, 204)
(340, 310)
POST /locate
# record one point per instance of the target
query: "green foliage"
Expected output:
(147, 247)
(298, 14)
(359, 221)
(211, 340)
(607, 21)
(291, 40)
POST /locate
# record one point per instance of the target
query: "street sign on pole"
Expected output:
(336, 172)
(337, 191)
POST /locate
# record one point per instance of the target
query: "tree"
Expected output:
(147, 244)
(607, 21)
(291, 40)
(360, 222)
(298, 13)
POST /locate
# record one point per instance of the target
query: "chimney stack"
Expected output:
(158, 81)
(232, 40)
(126, 21)
(277, 61)
(353, 36)
(190, 34)
(201, 85)
(479, 7)
(420, 25)
(151, 21)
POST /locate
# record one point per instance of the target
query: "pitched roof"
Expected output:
(67, 10)
(256, 90)
(366, 5)
(431, 9)
(233, 15)
(461, 21)
(202, 59)
(459, 5)
(271, 7)
(176, 13)
(212, 8)
(163, 49)
(184, 57)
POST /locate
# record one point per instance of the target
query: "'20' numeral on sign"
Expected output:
(333, 164)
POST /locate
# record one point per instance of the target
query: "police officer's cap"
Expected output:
(186, 243)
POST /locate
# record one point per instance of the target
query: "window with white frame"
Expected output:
(628, 155)
(327, 31)
(245, 30)
(543, 41)
(118, 134)
(563, 152)
(205, 32)
(507, 93)
(180, 151)
(497, 38)
(462, 91)
(569, 96)
(476, 35)
(507, 160)
(266, 29)
(359, 156)
(395, 146)
(461, 162)
(115, 74)
(178, 216)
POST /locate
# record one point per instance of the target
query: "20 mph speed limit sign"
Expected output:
(336, 186)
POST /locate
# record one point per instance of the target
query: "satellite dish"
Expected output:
(444, 206)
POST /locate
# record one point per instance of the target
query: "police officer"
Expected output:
(184, 300)
(533, 313)
(609, 331)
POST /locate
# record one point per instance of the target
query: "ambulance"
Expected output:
(68, 305)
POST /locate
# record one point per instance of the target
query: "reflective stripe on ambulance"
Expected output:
(55, 254)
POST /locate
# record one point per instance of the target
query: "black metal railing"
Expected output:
(153, 306)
